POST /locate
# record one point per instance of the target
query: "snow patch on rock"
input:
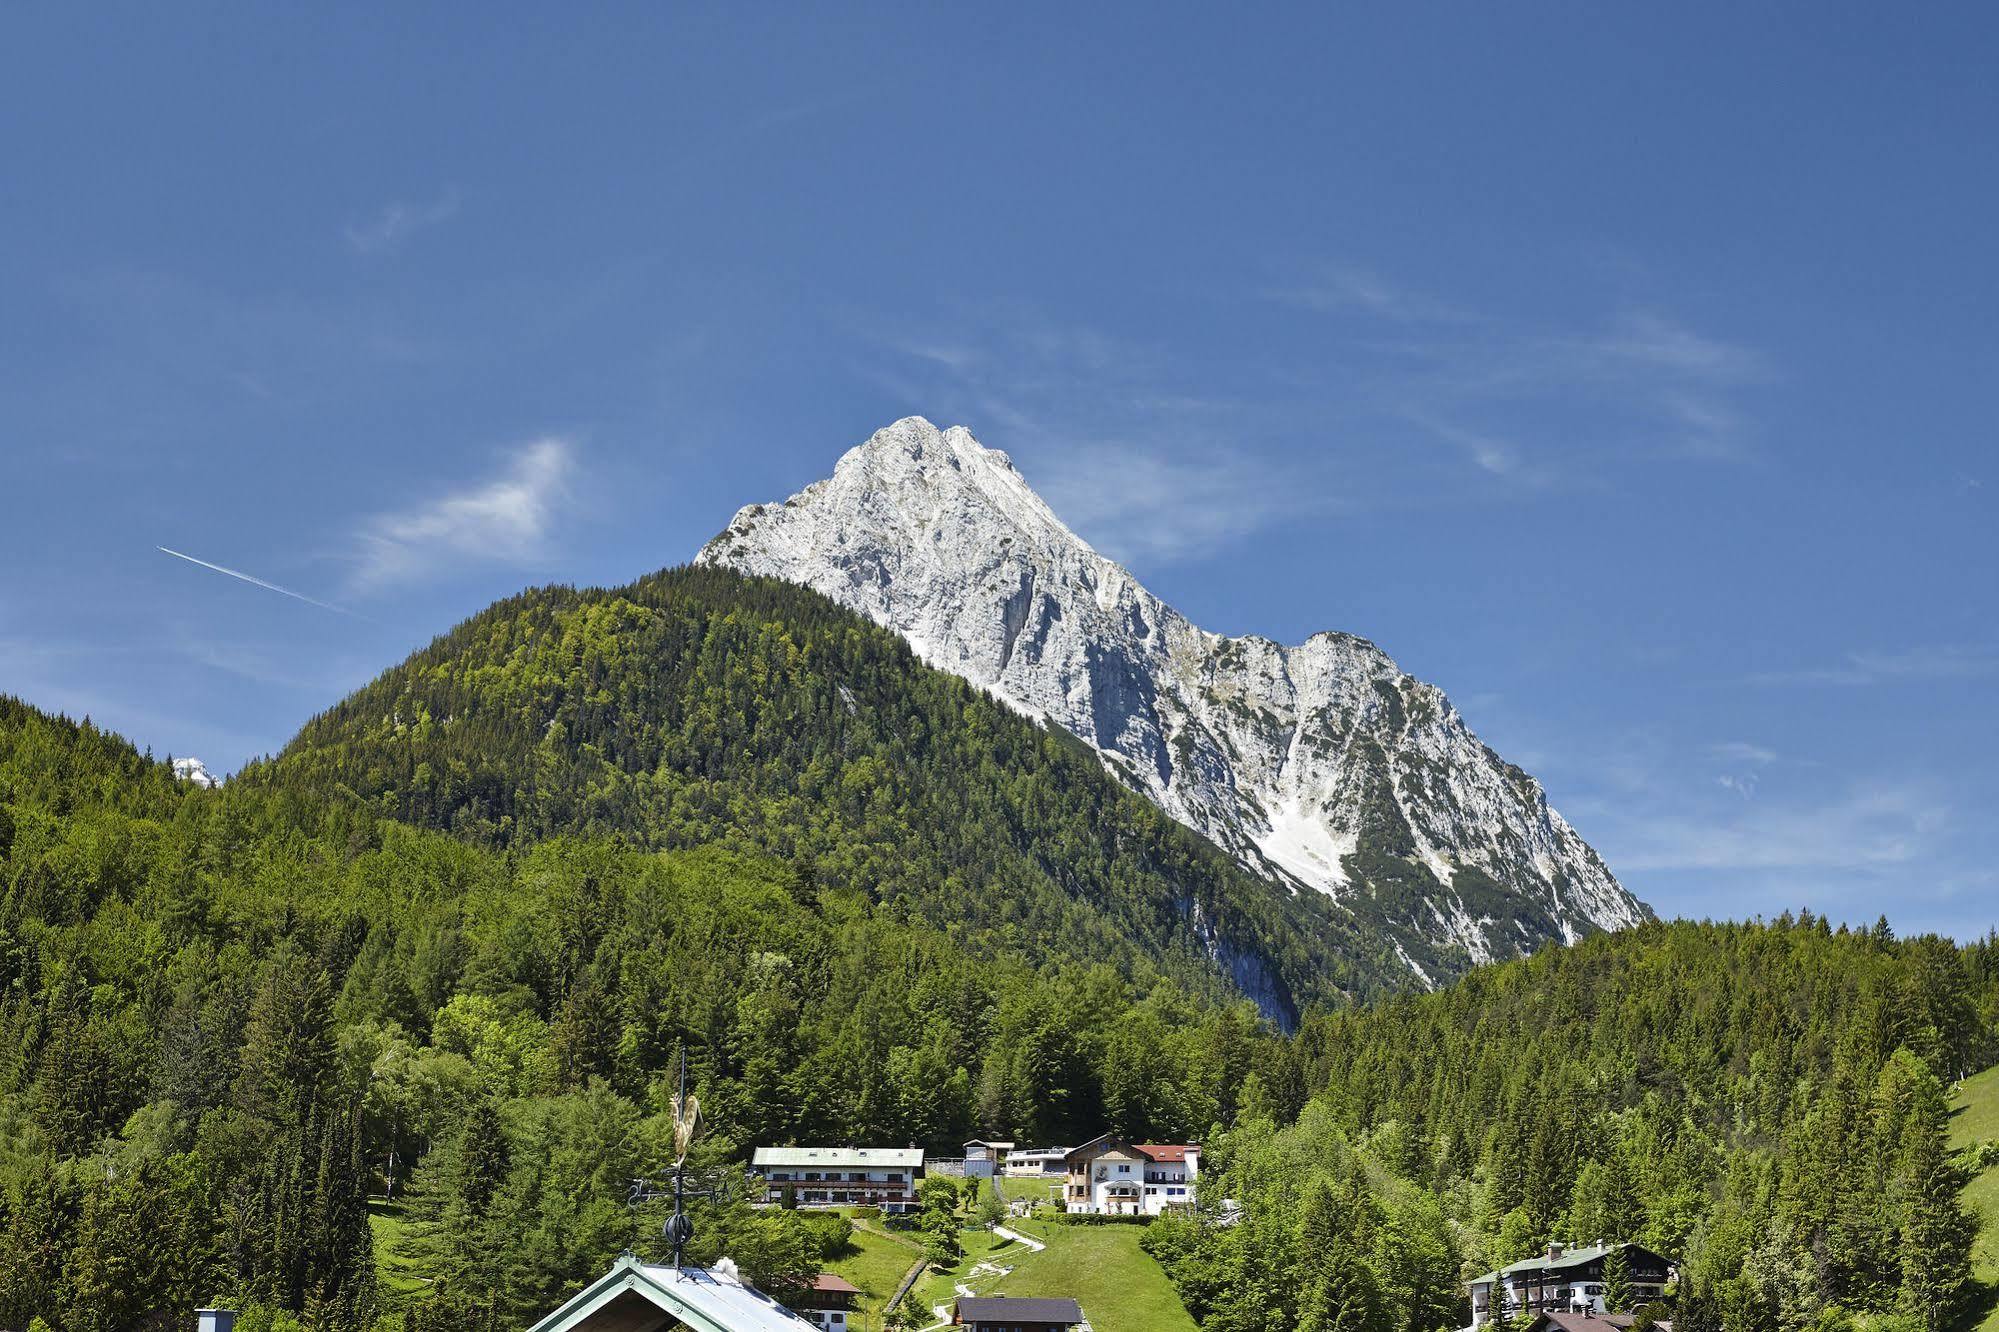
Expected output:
(1292, 759)
(195, 771)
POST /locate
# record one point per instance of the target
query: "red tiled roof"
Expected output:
(1168, 1151)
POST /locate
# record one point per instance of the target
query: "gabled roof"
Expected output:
(1570, 1258)
(841, 1158)
(705, 1301)
(829, 1283)
(995, 1308)
(1112, 1142)
(1169, 1151)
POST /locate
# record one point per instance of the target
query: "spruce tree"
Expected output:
(1616, 1281)
(1936, 1230)
(1338, 1291)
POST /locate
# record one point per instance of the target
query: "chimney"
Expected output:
(214, 1320)
(1554, 1252)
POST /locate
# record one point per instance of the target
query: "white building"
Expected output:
(1036, 1160)
(1110, 1176)
(883, 1177)
(1566, 1280)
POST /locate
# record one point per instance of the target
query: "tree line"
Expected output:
(377, 1036)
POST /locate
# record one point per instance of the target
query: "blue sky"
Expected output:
(1629, 371)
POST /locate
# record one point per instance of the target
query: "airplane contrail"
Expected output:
(248, 578)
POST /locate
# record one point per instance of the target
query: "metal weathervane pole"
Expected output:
(686, 1111)
(686, 1121)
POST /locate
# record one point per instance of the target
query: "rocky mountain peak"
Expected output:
(1322, 766)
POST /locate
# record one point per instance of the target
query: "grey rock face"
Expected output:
(1322, 767)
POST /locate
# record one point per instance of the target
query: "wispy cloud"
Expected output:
(1741, 751)
(1338, 287)
(1144, 504)
(391, 228)
(507, 519)
(1404, 400)
(1533, 403)
(1870, 827)
(1747, 762)
(1944, 662)
(1097, 423)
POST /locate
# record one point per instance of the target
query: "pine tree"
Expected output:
(1616, 1281)
(1338, 1290)
(1936, 1230)
(72, 1094)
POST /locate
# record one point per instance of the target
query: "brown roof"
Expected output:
(1168, 1151)
(828, 1284)
(1585, 1322)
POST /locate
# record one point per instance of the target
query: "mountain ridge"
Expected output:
(1322, 766)
(701, 705)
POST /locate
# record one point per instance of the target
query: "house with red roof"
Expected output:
(1113, 1176)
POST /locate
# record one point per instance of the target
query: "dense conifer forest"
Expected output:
(450, 943)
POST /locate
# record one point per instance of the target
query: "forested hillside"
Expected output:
(701, 707)
(1764, 1103)
(230, 1016)
(448, 945)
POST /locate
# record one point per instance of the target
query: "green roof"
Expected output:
(1569, 1258)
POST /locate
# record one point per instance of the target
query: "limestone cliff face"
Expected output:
(1321, 766)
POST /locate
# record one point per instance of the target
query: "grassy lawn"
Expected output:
(941, 1287)
(1975, 1118)
(399, 1279)
(1038, 1188)
(876, 1266)
(1119, 1286)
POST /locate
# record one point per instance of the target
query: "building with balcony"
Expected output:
(883, 1177)
(1565, 1280)
(1036, 1160)
(1111, 1176)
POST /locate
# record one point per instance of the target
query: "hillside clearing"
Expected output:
(1975, 1118)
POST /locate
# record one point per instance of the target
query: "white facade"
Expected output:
(883, 1177)
(1169, 1177)
(1036, 1160)
(1110, 1177)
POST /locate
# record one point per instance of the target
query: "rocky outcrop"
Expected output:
(1322, 766)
